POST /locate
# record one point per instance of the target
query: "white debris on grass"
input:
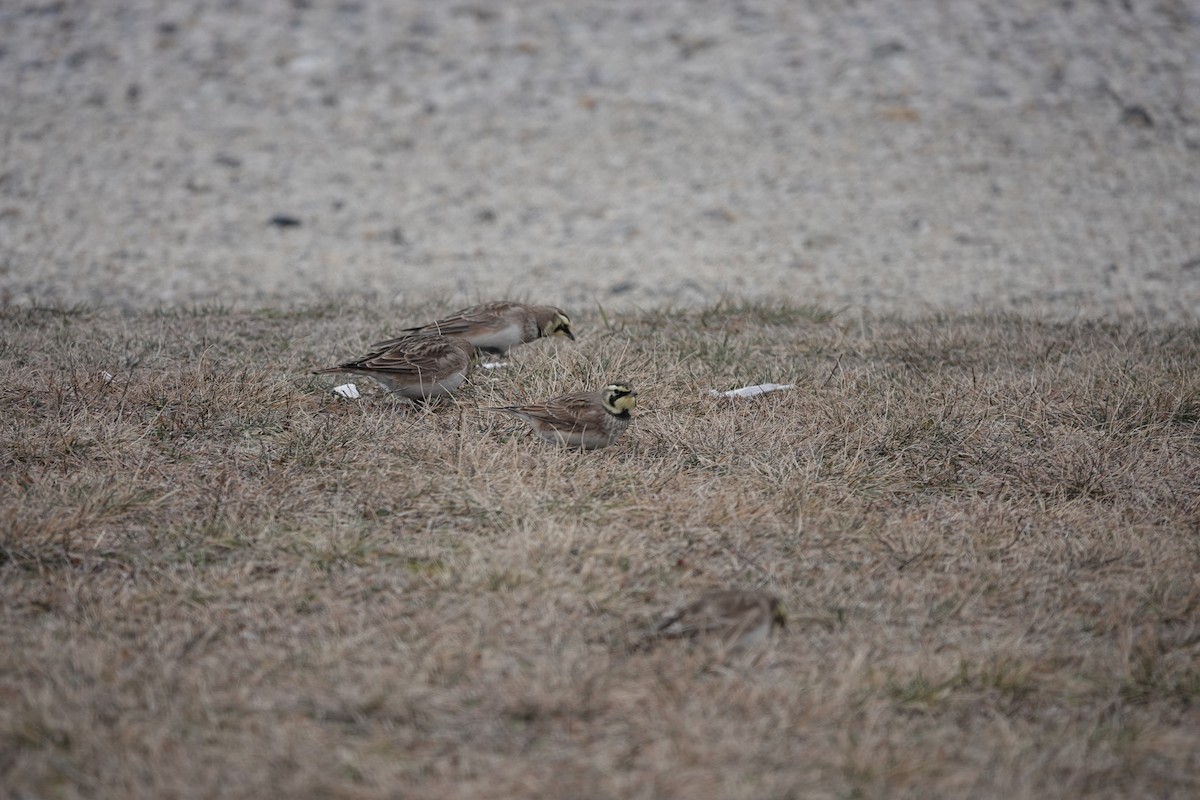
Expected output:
(753, 391)
(493, 364)
(347, 390)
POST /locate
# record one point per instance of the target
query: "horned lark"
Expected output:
(587, 420)
(737, 617)
(496, 327)
(416, 367)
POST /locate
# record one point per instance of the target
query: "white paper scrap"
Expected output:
(493, 364)
(348, 390)
(753, 391)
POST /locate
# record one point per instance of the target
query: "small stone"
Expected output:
(1137, 117)
(887, 50)
(720, 214)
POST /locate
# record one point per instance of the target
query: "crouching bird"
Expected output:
(584, 420)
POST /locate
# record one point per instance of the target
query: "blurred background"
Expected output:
(900, 157)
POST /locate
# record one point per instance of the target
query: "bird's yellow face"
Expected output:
(559, 325)
(619, 398)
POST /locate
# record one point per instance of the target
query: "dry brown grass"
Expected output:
(218, 579)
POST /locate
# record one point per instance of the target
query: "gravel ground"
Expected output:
(900, 157)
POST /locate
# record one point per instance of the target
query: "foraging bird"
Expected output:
(587, 420)
(739, 618)
(496, 327)
(416, 367)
